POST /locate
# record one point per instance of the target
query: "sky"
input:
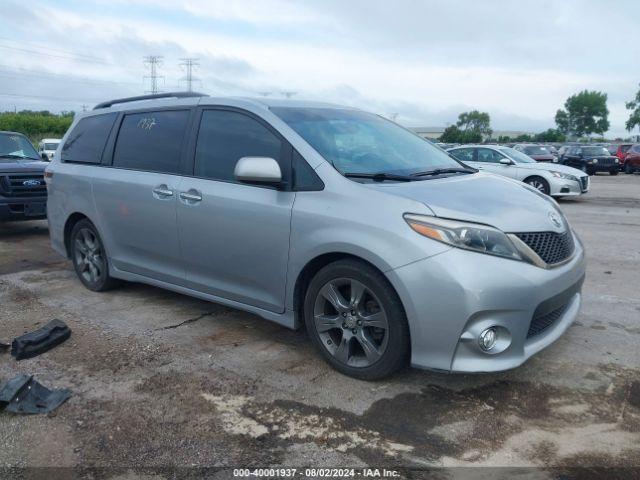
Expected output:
(420, 62)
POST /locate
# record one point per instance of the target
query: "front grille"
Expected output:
(551, 247)
(540, 323)
(23, 185)
(606, 161)
(584, 183)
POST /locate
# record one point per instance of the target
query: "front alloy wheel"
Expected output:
(539, 184)
(356, 320)
(351, 322)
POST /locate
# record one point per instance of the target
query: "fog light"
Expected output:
(487, 339)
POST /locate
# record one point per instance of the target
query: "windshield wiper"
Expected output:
(381, 176)
(11, 155)
(439, 171)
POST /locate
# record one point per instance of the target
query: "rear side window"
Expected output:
(151, 141)
(225, 137)
(86, 141)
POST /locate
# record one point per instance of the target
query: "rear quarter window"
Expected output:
(88, 138)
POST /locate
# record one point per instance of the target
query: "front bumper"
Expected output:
(452, 297)
(561, 187)
(22, 208)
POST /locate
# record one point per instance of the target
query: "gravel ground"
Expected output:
(162, 380)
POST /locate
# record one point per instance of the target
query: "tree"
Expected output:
(550, 135)
(584, 113)
(475, 121)
(453, 134)
(634, 116)
(562, 121)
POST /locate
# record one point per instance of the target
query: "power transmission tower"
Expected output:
(189, 65)
(153, 62)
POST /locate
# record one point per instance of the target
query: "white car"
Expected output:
(549, 178)
(47, 147)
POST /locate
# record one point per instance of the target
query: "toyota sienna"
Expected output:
(387, 249)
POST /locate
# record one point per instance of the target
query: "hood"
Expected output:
(14, 165)
(481, 198)
(553, 167)
(543, 158)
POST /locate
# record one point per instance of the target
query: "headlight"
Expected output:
(616, 160)
(469, 236)
(566, 176)
(595, 160)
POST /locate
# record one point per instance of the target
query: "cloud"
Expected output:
(423, 60)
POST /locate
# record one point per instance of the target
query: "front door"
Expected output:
(489, 159)
(234, 237)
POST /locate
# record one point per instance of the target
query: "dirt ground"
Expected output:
(162, 380)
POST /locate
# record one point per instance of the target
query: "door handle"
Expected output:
(192, 196)
(163, 191)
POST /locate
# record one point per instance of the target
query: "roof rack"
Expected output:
(149, 97)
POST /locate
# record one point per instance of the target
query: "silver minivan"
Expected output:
(387, 249)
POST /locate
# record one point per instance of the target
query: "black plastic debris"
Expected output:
(33, 344)
(22, 394)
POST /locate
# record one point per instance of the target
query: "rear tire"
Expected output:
(356, 320)
(90, 258)
(539, 184)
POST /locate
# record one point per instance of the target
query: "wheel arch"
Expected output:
(71, 222)
(313, 266)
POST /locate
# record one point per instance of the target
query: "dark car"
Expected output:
(537, 152)
(23, 192)
(592, 159)
(632, 160)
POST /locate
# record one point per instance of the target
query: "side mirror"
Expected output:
(506, 161)
(262, 170)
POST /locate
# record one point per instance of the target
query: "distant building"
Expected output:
(433, 133)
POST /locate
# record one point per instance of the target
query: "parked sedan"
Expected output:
(592, 159)
(632, 161)
(551, 179)
(537, 152)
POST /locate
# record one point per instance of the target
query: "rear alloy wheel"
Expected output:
(356, 320)
(89, 257)
(539, 184)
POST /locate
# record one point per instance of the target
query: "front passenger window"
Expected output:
(227, 136)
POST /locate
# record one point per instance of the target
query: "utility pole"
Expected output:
(153, 62)
(189, 64)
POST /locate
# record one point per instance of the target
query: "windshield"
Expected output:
(517, 156)
(50, 146)
(15, 145)
(358, 142)
(536, 150)
(595, 151)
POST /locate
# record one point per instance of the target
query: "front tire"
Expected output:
(539, 184)
(89, 257)
(356, 320)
